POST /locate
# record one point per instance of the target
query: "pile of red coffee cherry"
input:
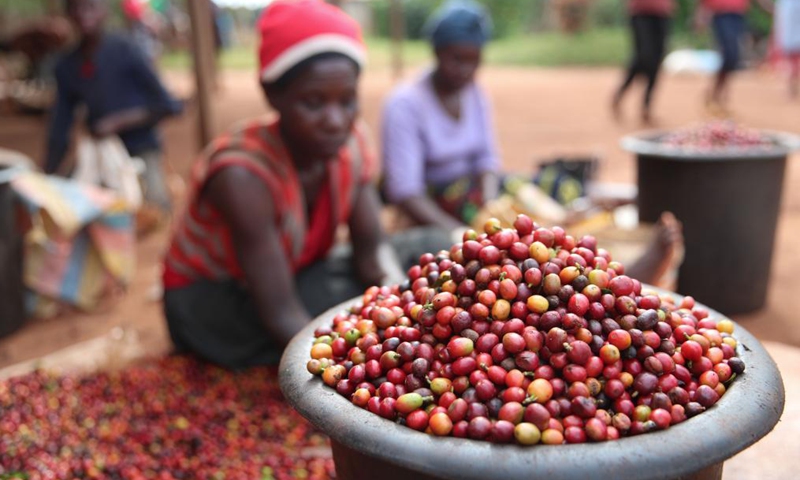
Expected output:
(526, 335)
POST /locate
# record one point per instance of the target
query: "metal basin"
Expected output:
(367, 446)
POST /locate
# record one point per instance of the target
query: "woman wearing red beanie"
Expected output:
(249, 262)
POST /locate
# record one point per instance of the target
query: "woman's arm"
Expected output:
(423, 210)
(488, 163)
(246, 206)
(374, 258)
(123, 120)
(404, 166)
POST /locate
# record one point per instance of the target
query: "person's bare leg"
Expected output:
(794, 76)
(662, 254)
(616, 106)
(646, 117)
(716, 98)
(616, 100)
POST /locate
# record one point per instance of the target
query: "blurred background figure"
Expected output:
(787, 38)
(650, 25)
(440, 164)
(439, 157)
(728, 22)
(109, 76)
(144, 25)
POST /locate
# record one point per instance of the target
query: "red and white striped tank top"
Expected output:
(202, 245)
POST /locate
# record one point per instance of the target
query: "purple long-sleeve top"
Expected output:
(424, 146)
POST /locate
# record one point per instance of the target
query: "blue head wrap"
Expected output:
(459, 22)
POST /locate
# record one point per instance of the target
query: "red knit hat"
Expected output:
(292, 31)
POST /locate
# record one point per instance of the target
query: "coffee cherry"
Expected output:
(531, 328)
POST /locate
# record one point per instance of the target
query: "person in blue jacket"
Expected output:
(109, 75)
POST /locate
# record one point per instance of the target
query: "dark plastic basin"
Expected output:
(729, 202)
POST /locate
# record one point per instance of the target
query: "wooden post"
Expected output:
(203, 60)
(397, 27)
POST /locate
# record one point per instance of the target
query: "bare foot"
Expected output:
(659, 264)
(647, 119)
(717, 108)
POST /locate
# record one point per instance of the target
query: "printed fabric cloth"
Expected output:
(80, 243)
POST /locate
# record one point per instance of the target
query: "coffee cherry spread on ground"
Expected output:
(525, 335)
(170, 419)
(716, 136)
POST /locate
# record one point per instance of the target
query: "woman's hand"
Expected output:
(114, 123)
(246, 206)
(374, 258)
(106, 126)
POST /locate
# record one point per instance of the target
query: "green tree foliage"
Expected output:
(509, 16)
(512, 17)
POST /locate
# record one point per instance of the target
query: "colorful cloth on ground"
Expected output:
(565, 179)
(202, 245)
(81, 241)
(463, 199)
(423, 146)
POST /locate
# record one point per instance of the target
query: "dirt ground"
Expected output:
(539, 113)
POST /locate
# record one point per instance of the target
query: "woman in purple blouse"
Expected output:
(439, 160)
(440, 164)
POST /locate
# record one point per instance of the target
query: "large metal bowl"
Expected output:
(368, 446)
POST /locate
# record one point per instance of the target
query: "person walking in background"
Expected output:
(650, 24)
(728, 22)
(786, 37)
(144, 26)
(122, 94)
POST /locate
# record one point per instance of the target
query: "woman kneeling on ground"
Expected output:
(440, 163)
(249, 263)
